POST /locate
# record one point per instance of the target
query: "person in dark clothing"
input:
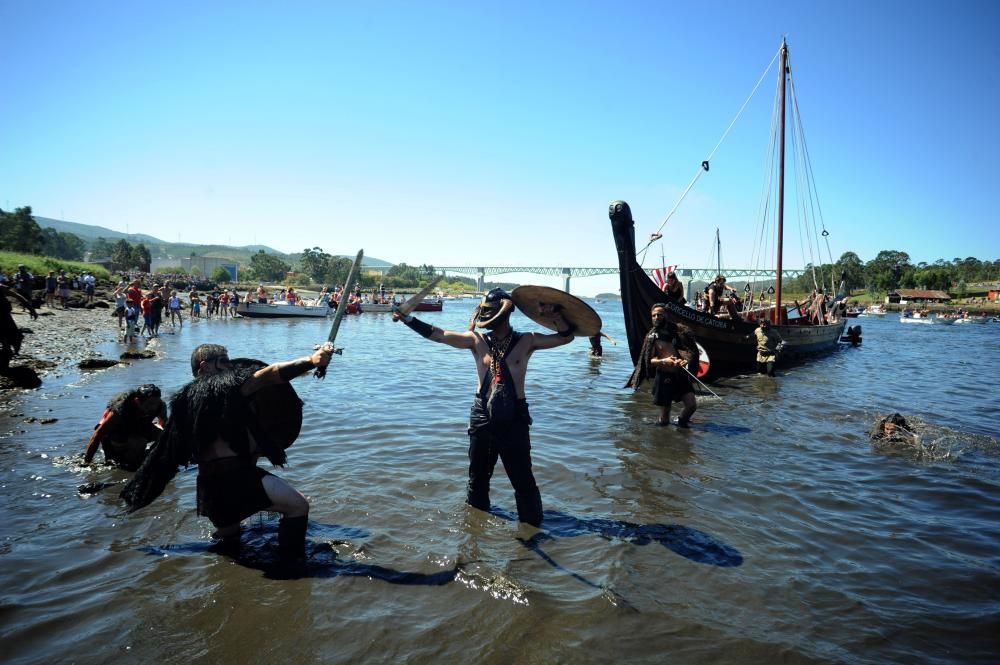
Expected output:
(499, 419)
(674, 288)
(720, 295)
(669, 353)
(10, 335)
(131, 421)
(224, 420)
(24, 281)
(892, 428)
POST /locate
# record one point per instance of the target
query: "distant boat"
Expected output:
(431, 304)
(874, 310)
(281, 310)
(731, 342)
(926, 319)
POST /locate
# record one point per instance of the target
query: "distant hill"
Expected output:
(90, 232)
(165, 251)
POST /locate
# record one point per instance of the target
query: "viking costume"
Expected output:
(10, 335)
(127, 426)
(210, 408)
(499, 422)
(667, 386)
(768, 340)
(499, 425)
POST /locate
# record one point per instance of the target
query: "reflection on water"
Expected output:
(771, 530)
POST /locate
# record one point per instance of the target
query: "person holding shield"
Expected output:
(499, 420)
(232, 413)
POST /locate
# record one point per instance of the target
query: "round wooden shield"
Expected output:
(530, 299)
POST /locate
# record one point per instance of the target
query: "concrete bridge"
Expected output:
(700, 274)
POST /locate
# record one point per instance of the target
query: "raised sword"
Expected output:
(341, 309)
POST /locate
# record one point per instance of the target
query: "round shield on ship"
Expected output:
(277, 407)
(531, 299)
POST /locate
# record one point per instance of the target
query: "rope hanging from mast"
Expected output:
(704, 166)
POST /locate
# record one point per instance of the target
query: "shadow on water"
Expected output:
(258, 550)
(689, 543)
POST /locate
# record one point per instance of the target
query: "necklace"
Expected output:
(498, 350)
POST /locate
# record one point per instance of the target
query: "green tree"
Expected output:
(19, 232)
(62, 245)
(267, 267)
(336, 272)
(315, 263)
(221, 275)
(886, 270)
(141, 257)
(102, 248)
(850, 264)
(121, 255)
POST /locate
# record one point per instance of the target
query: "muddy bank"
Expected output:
(56, 343)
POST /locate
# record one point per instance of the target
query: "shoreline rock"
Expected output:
(57, 342)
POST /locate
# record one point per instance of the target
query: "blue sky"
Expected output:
(498, 133)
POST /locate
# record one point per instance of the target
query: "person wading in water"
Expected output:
(223, 421)
(131, 421)
(499, 420)
(669, 354)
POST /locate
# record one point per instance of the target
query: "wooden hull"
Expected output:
(430, 306)
(270, 311)
(381, 308)
(731, 344)
(374, 308)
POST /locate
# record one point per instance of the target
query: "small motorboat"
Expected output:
(281, 310)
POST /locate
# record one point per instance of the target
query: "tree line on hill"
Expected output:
(892, 269)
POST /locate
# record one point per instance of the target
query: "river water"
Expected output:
(771, 531)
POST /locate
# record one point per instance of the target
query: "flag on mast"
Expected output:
(659, 275)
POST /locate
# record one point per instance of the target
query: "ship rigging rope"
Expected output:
(703, 167)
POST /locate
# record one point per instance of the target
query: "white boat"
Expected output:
(281, 310)
(874, 310)
(971, 319)
(926, 320)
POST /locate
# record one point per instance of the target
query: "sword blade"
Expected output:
(341, 308)
(342, 305)
(412, 303)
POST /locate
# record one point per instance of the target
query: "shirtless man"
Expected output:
(499, 421)
(214, 423)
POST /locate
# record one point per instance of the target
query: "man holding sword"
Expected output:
(231, 414)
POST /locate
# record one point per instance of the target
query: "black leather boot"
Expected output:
(292, 537)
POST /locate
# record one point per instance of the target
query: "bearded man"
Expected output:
(669, 354)
(499, 420)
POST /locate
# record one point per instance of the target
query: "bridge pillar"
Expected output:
(480, 277)
(566, 274)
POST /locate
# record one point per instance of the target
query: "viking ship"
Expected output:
(729, 341)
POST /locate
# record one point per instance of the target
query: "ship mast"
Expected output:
(718, 253)
(779, 314)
